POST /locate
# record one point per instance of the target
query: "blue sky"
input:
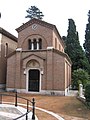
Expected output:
(56, 12)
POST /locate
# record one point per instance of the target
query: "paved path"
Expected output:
(58, 117)
(10, 112)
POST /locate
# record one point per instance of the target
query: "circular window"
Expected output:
(34, 26)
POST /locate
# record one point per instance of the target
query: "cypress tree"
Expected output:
(86, 44)
(73, 48)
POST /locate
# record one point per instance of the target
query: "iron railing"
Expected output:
(16, 96)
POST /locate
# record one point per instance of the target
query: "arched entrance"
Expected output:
(33, 80)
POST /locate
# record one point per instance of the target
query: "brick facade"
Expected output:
(39, 63)
(8, 44)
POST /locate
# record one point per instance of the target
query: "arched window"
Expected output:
(59, 47)
(29, 44)
(40, 43)
(35, 44)
(55, 42)
(6, 49)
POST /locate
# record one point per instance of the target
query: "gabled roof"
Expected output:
(7, 34)
(37, 21)
(32, 21)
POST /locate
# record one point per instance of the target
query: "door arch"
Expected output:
(33, 80)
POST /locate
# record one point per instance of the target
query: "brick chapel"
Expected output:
(35, 62)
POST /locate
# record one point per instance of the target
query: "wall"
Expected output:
(42, 31)
(57, 42)
(3, 58)
(52, 60)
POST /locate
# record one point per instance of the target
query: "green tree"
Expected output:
(64, 38)
(73, 48)
(86, 44)
(87, 93)
(79, 76)
(34, 12)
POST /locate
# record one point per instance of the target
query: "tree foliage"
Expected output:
(87, 93)
(79, 76)
(86, 44)
(73, 48)
(34, 12)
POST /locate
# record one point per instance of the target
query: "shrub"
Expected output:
(79, 76)
(87, 93)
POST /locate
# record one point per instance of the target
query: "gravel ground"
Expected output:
(68, 107)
